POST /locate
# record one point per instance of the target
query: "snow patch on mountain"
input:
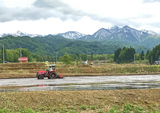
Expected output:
(72, 35)
(103, 33)
(149, 32)
(19, 33)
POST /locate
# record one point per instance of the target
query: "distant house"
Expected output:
(23, 59)
(157, 62)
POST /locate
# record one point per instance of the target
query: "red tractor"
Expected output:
(50, 73)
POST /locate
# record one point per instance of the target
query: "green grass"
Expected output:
(84, 107)
(128, 108)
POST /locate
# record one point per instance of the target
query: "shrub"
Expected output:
(100, 111)
(112, 111)
(83, 107)
(73, 111)
(128, 108)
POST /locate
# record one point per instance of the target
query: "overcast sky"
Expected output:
(84, 16)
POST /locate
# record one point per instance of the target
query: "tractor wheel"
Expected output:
(40, 77)
(52, 75)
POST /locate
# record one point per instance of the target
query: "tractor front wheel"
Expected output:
(52, 75)
(40, 77)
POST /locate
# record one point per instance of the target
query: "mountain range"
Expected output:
(19, 33)
(113, 33)
(115, 36)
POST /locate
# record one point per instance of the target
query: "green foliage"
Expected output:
(112, 111)
(27, 111)
(4, 111)
(138, 109)
(126, 55)
(93, 107)
(49, 45)
(66, 59)
(128, 108)
(142, 55)
(73, 111)
(154, 54)
(116, 55)
(155, 112)
(62, 111)
(3, 54)
(83, 57)
(100, 111)
(83, 107)
(13, 54)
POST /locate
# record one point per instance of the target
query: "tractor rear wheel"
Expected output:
(52, 75)
(40, 77)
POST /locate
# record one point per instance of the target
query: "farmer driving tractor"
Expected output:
(49, 69)
(49, 72)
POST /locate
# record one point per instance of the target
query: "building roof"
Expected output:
(23, 59)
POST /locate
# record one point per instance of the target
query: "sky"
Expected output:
(84, 16)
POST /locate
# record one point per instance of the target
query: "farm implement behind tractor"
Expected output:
(49, 72)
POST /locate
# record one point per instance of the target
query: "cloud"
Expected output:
(41, 9)
(107, 12)
(44, 9)
(21, 14)
(150, 1)
(62, 9)
(156, 25)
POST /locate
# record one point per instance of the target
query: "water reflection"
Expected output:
(53, 87)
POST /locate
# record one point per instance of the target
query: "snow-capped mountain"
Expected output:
(72, 35)
(123, 34)
(149, 32)
(19, 33)
(104, 33)
(114, 33)
(131, 34)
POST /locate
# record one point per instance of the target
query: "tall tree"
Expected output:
(154, 54)
(84, 57)
(157, 55)
(142, 55)
(3, 54)
(66, 59)
(116, 55)
(125, 55)
(26, 53)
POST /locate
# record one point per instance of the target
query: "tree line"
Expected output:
(128, 55)
(121, 55)
(12, 55)
(154, 55)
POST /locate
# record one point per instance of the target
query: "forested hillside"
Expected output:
(50, 44)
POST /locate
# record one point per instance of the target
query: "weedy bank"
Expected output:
(25, 70)
(102, 101)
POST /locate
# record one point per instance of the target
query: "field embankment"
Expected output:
(25, 70)
(81, 101)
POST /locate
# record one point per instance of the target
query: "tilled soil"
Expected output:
(28, 70)
(149, 99)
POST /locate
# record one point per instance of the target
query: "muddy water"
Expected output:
(84, 83)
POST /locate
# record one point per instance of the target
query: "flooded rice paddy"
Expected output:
(82, 83)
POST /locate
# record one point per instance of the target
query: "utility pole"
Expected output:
(134, 58)
(144, 59)
(20, 55)
(56, 56)
(88, 54)
(3, 55)
(105, 58)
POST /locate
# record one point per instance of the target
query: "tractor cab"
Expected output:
(51, 68)
(50, 72)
